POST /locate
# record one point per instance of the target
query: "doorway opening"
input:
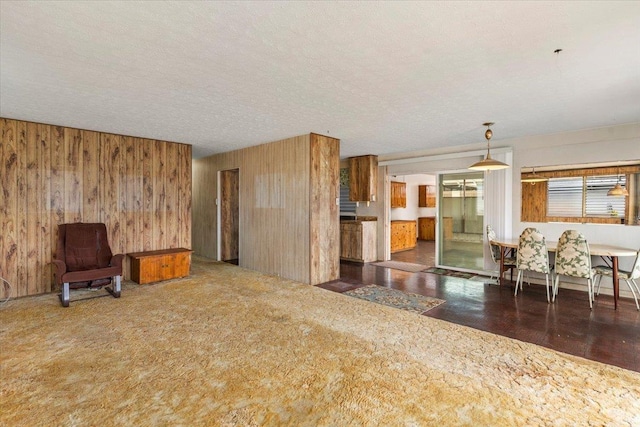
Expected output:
(229, 242)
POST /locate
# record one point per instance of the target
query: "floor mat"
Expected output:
(395, 298)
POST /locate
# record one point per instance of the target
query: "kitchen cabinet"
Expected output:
(398, 194)
(426, 196)
(358, 241)
(363, 178)
(427, 228)
(403, 235)
(154, 266)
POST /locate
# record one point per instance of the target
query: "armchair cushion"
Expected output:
(86, 247)
(83, 255)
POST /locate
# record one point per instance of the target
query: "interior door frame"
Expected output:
(221, 202)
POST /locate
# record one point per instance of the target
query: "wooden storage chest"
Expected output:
(154, 266)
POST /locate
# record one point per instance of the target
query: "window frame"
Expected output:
(535, 196)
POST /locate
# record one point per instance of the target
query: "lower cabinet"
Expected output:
(154, 266)
(427, 228)
(358, 241)
(403, 235)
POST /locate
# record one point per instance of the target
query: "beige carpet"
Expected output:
(233, 347)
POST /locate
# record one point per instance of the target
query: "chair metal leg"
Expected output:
(635, 297)
(64, 296)
(517, 282)
(115, 292)
(555, 287)
(599, 281)
(546, 277)
(590, 291)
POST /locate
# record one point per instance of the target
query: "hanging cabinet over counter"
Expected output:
(398, 194)
(363, 178)
(426, 196)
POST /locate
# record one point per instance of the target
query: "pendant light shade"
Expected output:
(618, 190)
(532, 178)
(488, 164)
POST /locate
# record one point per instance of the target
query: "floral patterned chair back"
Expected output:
(532, 251)
(635, 270)
(495, 249)
(572, 255)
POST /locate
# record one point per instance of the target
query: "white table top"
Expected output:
(597, 249)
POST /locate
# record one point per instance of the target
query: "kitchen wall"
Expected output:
(412, 211)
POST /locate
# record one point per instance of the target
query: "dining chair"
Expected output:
(628, 276)
(573, 259)
(533, 256)
(496, 254)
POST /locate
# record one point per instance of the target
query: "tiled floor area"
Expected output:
(602, 334)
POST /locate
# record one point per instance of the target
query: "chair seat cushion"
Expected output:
(605, 270)
(89, 275)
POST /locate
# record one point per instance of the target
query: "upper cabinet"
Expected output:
(398, 194)
(426, 196)
(363, 178)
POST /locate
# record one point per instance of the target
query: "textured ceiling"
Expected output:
(383, 77)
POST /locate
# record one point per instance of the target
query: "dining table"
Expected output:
(607, 252)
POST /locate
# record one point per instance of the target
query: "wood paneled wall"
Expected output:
(50, 175)
(281, 219)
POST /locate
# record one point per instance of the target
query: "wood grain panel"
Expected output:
(44, 212)
(91, 209)
(27, 165)
(73, 175)
(9, 206)
(53, 175)
(184, 195)
(109, 166)
(159, 195)
(134, 194)
(147, 198)
(33, 210)
(534, 202)
(324, 227)
(171, 196)
(57, 182)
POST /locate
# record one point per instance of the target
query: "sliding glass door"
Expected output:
(461, 213)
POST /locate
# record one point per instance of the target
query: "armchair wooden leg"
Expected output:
(64, 296)
(115, 292)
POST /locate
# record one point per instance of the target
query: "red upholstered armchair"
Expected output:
(84, 259)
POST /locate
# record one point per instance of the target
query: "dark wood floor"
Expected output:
(602, 334)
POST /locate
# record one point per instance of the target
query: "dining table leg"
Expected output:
(616, 285)
(503, 253)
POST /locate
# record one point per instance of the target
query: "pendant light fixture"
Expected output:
(488, 164)
(618, 190)
(532, 178)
